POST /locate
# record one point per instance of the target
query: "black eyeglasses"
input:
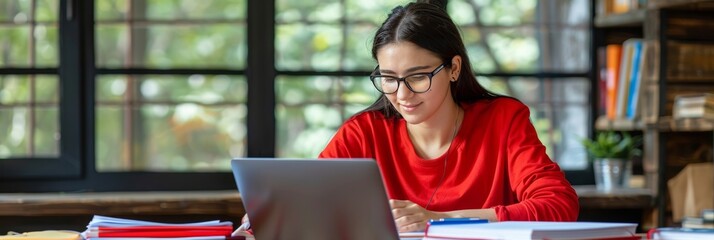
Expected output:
(417, 83)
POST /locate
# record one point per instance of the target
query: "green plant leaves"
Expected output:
(613, 145)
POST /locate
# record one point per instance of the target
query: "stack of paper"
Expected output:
(108, 228)
(533, 230)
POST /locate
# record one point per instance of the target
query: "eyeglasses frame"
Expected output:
(431, 75)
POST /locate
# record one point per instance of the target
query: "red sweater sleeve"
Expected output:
(541, 188)
(348, 142)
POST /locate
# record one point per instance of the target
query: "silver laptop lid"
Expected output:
(314, 199)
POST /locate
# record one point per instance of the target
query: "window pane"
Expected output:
(26, 42)
(359, 49)
(327, 35)
(373, 11)
(47, 89)
(513, 13)
(14, 123)
(46, 50)
(171, 34)
(217, 46)
(170, 9)
(303, 131)
(204, 89)
(46, 132)
(188, 9)
(14, 89)
(299, 90)
(309, 47)
(310, 109)
(29, 117)
(14, 46)
(184, 137)
(29, 132)
(110, 145)
(316, 10)
(560, 111)
(525, 36)
(17, 11)
(170, 123)
(47, 10)
(110, 9)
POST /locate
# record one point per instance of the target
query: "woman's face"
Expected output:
(402, 59)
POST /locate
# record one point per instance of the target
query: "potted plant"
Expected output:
(612, 155)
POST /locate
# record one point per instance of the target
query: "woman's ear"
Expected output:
(455, 67)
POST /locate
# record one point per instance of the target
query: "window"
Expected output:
(158, 118)
(36, 130)
(536, 51)
(29, 101)
(161, 94)
(323, 57)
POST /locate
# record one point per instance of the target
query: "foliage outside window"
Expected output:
(29, 112)
(522, 38)
(168, 121)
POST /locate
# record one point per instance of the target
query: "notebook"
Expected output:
(534, 230)
(314, 199)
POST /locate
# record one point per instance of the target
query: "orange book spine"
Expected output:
(614, 52)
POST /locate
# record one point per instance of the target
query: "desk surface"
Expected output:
(121, 203)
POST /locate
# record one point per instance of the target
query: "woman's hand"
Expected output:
(244, 228)
(410, 217)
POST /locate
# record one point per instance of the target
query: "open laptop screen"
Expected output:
(314, 199)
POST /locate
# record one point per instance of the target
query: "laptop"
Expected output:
(314, 199)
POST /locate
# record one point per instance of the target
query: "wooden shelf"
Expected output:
(590, 197)
(628, 19)
(604, 124)
(657, 4)
(667, 123)
(122, 203)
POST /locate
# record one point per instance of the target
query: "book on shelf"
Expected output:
(635, 86)
(697, 222)
(613, 57)
(625, 86)
(704, 220)
(533, 230)
(602, 81)
(708, 214)
(693, 106)
(101, 227)
(605, 7)
(629, 71)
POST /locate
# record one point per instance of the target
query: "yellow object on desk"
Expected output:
(43, 235)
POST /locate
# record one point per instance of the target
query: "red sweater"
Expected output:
(495, 161)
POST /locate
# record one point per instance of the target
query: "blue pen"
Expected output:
(444, 221)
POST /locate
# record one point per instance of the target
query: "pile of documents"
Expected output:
(109, 228)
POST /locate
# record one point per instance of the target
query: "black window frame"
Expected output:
(74, 170)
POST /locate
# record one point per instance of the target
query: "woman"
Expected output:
(447, 147)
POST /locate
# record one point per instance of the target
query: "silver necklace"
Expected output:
(443, 174)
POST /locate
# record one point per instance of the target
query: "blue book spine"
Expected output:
(635, 81)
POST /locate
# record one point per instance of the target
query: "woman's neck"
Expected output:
(433, 137)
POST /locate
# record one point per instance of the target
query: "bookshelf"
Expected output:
(632, 18)
(680, 38)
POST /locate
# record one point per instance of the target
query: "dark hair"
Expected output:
(428, 26)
